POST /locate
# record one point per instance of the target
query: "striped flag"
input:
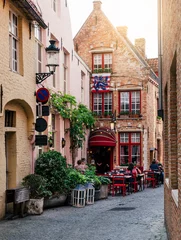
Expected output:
(100, 82)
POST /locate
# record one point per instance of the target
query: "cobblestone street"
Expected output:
(137, 216)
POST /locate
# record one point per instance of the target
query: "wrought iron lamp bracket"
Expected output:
(40, 77)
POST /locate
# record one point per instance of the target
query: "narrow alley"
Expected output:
(136, 216)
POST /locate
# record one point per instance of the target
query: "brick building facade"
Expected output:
(170, 50)
(124, 90)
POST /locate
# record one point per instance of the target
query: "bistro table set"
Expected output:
(127, 183)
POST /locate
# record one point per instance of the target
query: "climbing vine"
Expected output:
(81, 118)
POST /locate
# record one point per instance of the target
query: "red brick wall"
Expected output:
(98, 34)
(171, 30)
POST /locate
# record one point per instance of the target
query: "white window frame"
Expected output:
(39, 47)
(65, 71)
(13, 41)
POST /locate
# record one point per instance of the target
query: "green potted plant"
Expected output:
(52, 166)
(73, 179)
(91, 177)
(104, 186)
(38, 190)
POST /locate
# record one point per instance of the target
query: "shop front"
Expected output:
(102, 142)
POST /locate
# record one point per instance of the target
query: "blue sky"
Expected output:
(140, 16)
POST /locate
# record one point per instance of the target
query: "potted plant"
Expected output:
(124, 113)
(52, 166)
(73, 179)
(104, 186)
(91, 177)
(38, 190)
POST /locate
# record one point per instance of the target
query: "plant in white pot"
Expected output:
(38, 190)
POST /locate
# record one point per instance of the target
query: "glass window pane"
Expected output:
(135, 154)
(135, 101)
(97, 105)
(107, 61)
(97, 61)
(124, 101)
(124, 137)
(135, 137)
(108, 102)
(124, 154)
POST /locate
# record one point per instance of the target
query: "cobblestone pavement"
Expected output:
(138, 216)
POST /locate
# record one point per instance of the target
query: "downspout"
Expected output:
(160, 111)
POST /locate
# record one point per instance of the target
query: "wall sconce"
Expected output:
(113, 122)
(63, 142)
(52, 62)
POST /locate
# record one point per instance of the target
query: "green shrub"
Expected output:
(37, 185)
(52, 166)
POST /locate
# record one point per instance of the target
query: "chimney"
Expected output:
(122, 30)
(140, 45)
(97, 5)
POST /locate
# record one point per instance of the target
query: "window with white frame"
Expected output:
(53, 130)
(38, 37)
(54, 5)
(102, 61)
(82, 86)
(130, 145)
(65, 69)
(130, 102)
(102, 103)
(13, 41)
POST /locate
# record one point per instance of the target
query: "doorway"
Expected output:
(103, 158)
(10, 151)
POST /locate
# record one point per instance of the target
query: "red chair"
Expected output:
(134, 182)
(118, 182)
(150, 178)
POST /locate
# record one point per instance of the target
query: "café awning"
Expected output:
(102, 137)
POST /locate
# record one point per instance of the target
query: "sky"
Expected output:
(140, 16)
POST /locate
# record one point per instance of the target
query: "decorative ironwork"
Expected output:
(40, 77)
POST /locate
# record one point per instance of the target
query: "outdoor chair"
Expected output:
(150, 178)
(118, 183)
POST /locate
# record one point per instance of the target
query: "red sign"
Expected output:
(42, 95)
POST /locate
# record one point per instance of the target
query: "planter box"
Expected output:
(97, 195)
(55, 201)
(35, 206)
(104, 191)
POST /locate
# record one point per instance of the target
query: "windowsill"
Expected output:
(175, 196)
(167, 182)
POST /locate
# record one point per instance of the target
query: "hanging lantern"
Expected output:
(78, 196)
(90, 192)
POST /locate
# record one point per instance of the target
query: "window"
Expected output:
(130, 102)
(82, 86)
(38, 37)
(10, 118)
(102, 61)
(13, 41)
(53, 131)
(102, 103)
(65, 66)
(54, 5)
(130, 148)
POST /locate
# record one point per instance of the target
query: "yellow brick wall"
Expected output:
(18, 95)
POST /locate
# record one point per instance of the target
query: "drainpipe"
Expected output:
(159, 4)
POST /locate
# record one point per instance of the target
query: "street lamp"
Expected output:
(52, 62)
(113, 122)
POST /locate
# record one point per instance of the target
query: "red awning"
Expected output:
(102, 137)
